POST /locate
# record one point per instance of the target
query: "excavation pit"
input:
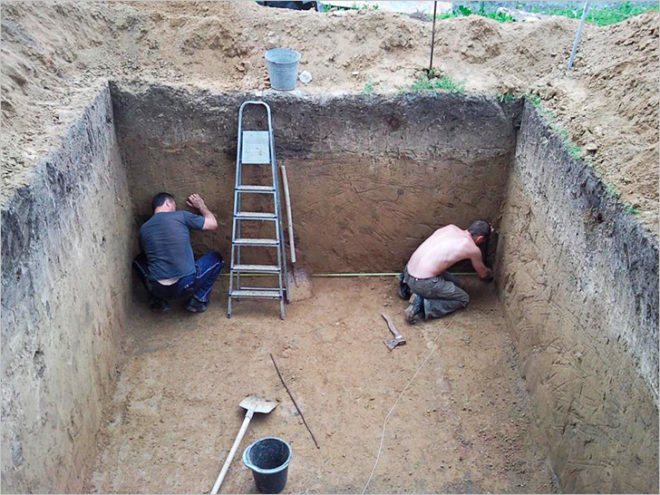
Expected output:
(574, 311)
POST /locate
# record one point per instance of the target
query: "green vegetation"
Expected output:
(631, 210)
(604, 16)
(611, 190)
(574, 150)
(534, 99)
(434, 82)
(355, 6)
(368, 88)
(601, 16)
(463, 11)
(506, 98)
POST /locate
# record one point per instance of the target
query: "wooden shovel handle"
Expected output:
(287, 201)
(232, 452)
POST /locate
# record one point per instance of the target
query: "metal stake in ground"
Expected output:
(435, 6)
(577, 36)
(294, 401)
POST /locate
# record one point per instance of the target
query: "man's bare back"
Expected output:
(445, 247)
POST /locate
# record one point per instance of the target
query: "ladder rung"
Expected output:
(256, 268)
(251, 215)
(266, 293)
(256, 189)
(256, 242)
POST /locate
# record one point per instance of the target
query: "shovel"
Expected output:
(251, 404)
(299, 283)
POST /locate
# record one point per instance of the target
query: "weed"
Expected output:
(432, 81)
(630, 209)
(534, 99)
(574, 150)
(354, 6)
(368, 88)
(506, 98)
(611, 190)
(561, 131)
(601, 16)
(463, 11)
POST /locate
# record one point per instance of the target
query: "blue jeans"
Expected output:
(197, 285)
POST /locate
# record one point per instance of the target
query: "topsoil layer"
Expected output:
(53, 53)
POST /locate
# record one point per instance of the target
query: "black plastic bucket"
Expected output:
(268, 458)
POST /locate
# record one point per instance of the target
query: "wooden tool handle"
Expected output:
(390, 325)
(232, 452)
(287, 200)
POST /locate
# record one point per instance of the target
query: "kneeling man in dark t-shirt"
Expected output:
(167, 265)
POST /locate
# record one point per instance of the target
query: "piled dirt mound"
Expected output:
(609, 103)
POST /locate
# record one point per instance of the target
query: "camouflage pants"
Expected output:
(441, 293)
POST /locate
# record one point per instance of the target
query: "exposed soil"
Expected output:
(52, 54)
(462, 425)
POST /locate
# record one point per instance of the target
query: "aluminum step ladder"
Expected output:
(256, 147)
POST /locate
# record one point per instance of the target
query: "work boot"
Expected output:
(404, 290)
(158, 305)
(415, 311)
(195, 306)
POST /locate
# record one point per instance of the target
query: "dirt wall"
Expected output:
(579, 280)
(65, 271)
(370, 177)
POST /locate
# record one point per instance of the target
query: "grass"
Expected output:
(435, 82)
(600, 16)
(463, 11)
(611, 190)
(368, 88)
(574, 150)
(604, 16)
(506, 98)
(631, 210)
(534, 99)
(355, 6)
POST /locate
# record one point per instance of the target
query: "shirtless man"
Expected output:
(435, 292)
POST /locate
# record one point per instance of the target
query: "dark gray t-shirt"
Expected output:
(165, 239)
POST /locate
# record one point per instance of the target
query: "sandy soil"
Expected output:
(463, 424)
(52, 53)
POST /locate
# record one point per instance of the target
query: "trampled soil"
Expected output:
(462, 424)
(54, 53)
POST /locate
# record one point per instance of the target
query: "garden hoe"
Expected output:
(252, 405)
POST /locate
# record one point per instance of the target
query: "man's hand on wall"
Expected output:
(196, 201)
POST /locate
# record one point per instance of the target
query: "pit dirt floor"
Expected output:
(462, 425)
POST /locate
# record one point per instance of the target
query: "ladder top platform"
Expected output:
(255, 148)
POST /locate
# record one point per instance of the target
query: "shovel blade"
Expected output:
(257, 404)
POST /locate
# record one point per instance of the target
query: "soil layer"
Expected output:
(608, 102)
(579, 280)
(463, 424)
(378, 173)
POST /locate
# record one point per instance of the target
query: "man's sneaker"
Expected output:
(415, 311)
(159, 305)
(404, 290)
(195, 306)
